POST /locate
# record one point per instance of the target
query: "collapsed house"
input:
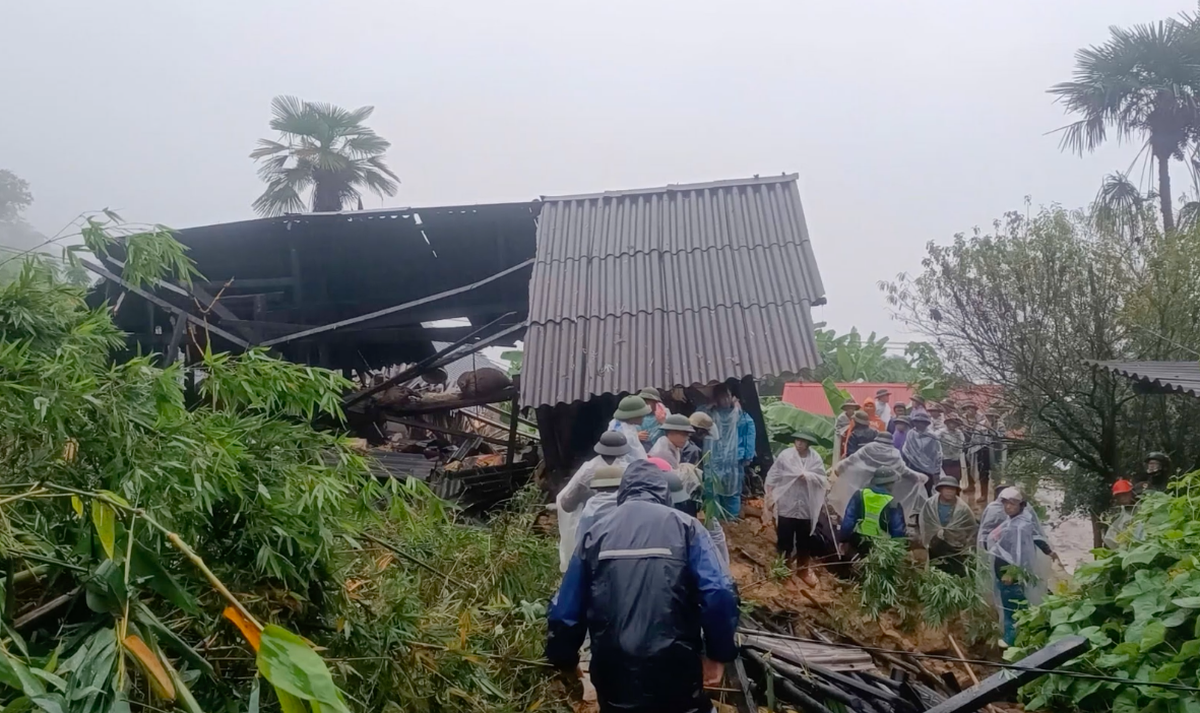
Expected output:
(677, 288)
(673, 288)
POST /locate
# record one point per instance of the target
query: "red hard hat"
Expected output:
(662, 464)
(1122, 486)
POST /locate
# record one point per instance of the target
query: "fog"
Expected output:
(907, 122)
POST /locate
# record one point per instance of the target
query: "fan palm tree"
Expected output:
(1144, 84)
(322, 149)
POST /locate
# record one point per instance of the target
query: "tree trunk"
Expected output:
(326, 198)
(1164, 192)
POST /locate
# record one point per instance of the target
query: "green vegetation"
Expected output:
(890, 580)
(1140, 609)
(134, 513)
(324, 149)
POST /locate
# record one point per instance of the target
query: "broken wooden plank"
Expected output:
(396, 308)
(805, 654)
(1004, 684)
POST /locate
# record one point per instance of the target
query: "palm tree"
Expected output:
(1143, 83)
(324, 149)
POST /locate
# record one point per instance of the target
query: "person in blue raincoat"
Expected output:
(647, 587)
(653, 421)
(730, 452)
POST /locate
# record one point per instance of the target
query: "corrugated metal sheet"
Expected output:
(677, 285)
(1182, 377)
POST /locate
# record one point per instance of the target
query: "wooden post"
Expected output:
(513, 419)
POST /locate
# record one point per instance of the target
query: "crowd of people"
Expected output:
(646, 566)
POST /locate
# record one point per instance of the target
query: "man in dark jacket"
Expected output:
(860, 435)
(645, 581)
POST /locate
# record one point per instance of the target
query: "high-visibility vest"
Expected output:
(873, 505)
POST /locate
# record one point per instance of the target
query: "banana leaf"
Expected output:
(784, 419)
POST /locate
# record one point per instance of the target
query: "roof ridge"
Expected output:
(677, 187)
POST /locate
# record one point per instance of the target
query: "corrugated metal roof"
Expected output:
(678, 285)
(1182, 377)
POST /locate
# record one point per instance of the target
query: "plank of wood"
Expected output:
(1004, 684)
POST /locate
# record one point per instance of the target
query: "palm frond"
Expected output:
(323, 146)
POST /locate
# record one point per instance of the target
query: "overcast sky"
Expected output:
(907, 121)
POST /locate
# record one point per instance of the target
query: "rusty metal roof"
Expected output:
(1182, 377)
(678, 285)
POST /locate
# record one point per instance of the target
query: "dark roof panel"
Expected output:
(1181, 377)
(678, 285)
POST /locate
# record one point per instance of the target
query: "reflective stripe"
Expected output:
(873, 505)
(635, 554)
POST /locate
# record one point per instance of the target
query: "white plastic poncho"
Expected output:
(795, 486)
(723, 468)
(959, 532)
(574, 496)
(630, 430)
(1119, 524)
(1013, 542)
(692, 478)
(663, 448)
(993, 516)
(923, 451)
(855, 473)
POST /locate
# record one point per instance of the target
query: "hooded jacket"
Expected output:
(645, 582)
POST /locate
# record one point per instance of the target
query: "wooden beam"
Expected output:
(1004, 684)
(442, 429)
(173, 346)
(435, 407)
(441, 358)
(513, 422)
(498, 412)
(155, 299)
(397, 308)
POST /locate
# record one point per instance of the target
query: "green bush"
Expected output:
(1137, 606)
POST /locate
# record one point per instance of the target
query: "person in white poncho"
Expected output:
(795, 496)
(948, 527)
(1013, 546)
(855, 473)
(612, 449)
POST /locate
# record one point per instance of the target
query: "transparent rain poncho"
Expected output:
(1013, 542)
(993, 516)
(637, 451)
(723, 469)
(571, 501)
(855, 473)
(959, 532)
(796, 485)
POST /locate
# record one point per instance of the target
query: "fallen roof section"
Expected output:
(678, 285)
(1180, 377)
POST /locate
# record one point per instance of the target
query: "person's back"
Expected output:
(644, 583)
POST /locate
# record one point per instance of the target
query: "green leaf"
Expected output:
(1153, 635)
(1142, 554)
(105, 520)
(289, 703)
(1126, 702)
(1189, 650)
(146, 566)
(171, 640)
(1167, 672)
(255, 692)
(293, 667)
(783, 419)
(1177, 617)
(1187, 602)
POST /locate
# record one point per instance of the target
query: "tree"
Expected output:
(324, 150)
(849, 357)
(14, 196)
(1143, 84)
(1024, 306)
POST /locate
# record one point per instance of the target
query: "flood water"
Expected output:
(1070, 536)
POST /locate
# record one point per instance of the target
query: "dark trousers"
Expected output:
(946, 558)
(983, 467)
(792, 538)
